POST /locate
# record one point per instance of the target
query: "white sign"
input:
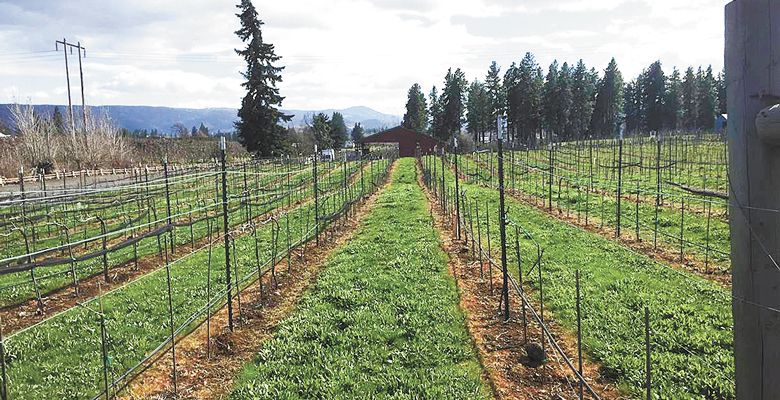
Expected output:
(500, 127)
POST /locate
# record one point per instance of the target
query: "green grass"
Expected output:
(17, 287)
(574, 197)
(61, 356)
(690, 317)
(382, 320)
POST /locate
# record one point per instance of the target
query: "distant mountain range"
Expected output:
(216, 119)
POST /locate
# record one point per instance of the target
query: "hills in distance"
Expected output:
(216, 119)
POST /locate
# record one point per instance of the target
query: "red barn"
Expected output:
(408, 141)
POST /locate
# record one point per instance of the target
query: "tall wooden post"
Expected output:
(226, 224)
(500, 128)
(753, 74)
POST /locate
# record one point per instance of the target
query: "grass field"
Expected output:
(193, 199)
(690, 317)
(382, 320)
(689, 226)
(61, 356)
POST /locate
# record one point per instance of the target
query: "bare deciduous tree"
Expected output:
(37, 145)
(100, 143)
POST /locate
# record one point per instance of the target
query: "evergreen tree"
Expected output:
(338, 131)
(688, 94)
(435, 126)
(707, 99)
(258, 127)
(479, 109)
(514, 97)
(452, 98)
(632, 106)
(193, 131)
(357, 132)
(721, 83)
(558, 101)
(58, 120)
(564, 102)
(320, 126)
(549, 101)
(606, 112)
(523, 84)
(673, 104)
(416, 117)
(496, 94)
(203, 130)
(583, 95)
(652, 83)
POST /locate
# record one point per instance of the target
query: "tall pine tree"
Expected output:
(479, 111)
(416, 117)
(564, 102)
(672, 103)
(707, 99)
(435, 114)
(653, 86)
(722, 104)
(58, 120)
(452, 98)
(549, 101)
(338, 130)
(496, 94)
(609, 98)
(357, 132)
(688, 93)
(583, 95)
(258, 126)
(632, 106)
(320, 126)
(523, 84)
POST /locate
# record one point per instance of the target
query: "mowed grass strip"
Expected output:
(381, 322)
(691, 323)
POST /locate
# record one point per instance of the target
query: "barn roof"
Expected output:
(391, 135)
(409, 141)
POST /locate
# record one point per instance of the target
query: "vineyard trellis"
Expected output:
(669, 336)
(140, 320)
(485, 255)
(671, 192)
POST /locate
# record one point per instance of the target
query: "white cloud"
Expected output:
(338, 53)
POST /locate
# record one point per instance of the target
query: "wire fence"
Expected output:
(668, 193)
(95, 349)
(653, 329)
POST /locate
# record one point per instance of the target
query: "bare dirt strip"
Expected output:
(210, 376)
(500, 344)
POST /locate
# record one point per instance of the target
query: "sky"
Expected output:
(337, 53)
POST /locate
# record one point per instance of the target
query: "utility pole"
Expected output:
(753, 86)
(81, 76)
(65, 49)
(81, 51)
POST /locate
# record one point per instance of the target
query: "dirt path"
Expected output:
(501, 345)
(210, 376)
